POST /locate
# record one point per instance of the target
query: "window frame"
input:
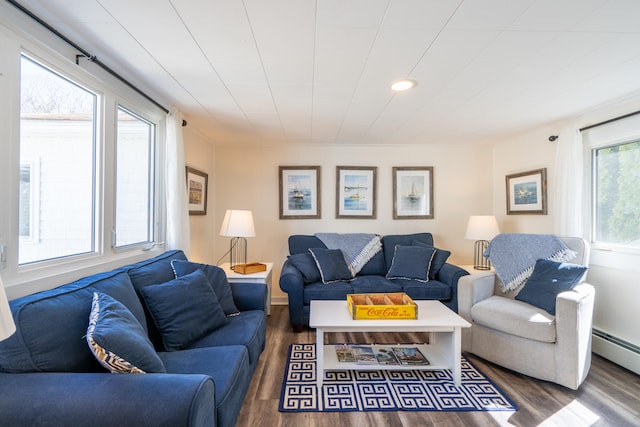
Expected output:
(20, 35)
(607, 135)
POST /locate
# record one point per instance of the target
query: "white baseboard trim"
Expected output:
(616, 353)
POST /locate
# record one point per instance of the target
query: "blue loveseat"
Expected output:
(50, 373)
(397, 267)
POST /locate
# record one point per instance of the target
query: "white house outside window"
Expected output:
(58, 126)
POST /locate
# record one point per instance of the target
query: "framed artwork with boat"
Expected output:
(299, 192)
(527, 192)
(356, 192)
(413, 192)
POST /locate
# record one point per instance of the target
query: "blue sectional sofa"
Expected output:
(406, 263)
(154, 318)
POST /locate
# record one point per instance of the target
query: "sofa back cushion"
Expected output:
(389, 244)
(51, 325)
(154, 271)
(300, 244)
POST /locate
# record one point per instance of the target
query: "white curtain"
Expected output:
(176, 188)
(569, 185)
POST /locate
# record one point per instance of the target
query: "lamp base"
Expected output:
(237, 251)
(479, 261)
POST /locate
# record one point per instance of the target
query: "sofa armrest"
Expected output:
(292, 282)
(450, 274)
(104, 399)
(249, 296)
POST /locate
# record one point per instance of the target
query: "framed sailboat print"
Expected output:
(413, 192)
(356, 192)
(299, 192)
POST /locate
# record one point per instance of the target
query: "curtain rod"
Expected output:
(609, 121)
(85, 54)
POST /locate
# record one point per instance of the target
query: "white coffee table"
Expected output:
(442, 324)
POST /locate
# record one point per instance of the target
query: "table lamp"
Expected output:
(7, 326)
(237, 224)
(481, 228)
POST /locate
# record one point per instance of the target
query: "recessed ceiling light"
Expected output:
(401, 85)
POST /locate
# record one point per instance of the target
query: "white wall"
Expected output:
(200, 154)
(247, 178)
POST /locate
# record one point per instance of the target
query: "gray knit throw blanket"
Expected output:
(357, 248)
(514, 255)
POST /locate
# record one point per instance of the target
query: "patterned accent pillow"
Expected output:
(118, 340)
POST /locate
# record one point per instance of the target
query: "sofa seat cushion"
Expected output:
(433, 289)
(50, 325)
(247, 329)
(515, 318)
(335, 290)
(229, 368)
(374, 284)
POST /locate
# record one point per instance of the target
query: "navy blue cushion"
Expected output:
(183, 309)
(412, 263)
(50, 325)
(390, 242)
(118, 340)
(548, 279)
(307, 266)
(300, 244)
(247, 329)
(439, 259)
(331, 264)
(216, 278)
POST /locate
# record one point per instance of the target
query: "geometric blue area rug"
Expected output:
(383, 390)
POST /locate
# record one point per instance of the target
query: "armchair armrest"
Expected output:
(104, 399)
(472, 289)
(249, 296)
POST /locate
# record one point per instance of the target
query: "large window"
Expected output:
(57, 126)
(614, 163)
(616, 197)
(134, 179)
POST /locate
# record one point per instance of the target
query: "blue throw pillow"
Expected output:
(411, 263)
(306, 264)
(332, 265)
(548, 279)
(118, 340)
(184, 309)
(439, 259)
(216, 278)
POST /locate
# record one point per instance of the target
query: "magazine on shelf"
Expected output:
(386, 356)
(345, 353)
(364, 354)
(410, 356)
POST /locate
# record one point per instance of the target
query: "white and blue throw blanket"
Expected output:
(357, 248)
(514, 255)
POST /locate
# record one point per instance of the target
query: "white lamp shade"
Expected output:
(237, 223)
(7, 326)
(482, 227)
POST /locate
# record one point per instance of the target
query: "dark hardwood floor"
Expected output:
(610, 396)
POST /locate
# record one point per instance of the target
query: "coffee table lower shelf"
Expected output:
(437, 359)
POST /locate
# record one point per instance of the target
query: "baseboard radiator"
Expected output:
(619, 351)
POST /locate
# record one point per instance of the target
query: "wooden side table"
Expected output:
(263, 277)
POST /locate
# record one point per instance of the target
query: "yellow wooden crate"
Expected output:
(392, 306)
(254, 267)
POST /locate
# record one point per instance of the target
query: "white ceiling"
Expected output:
(318, 71)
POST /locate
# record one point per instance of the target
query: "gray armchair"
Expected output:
(527, 339)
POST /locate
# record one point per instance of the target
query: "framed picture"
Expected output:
(299, 192)
(413, 192)
(356, 192)
(197, 182)
(527, 192)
